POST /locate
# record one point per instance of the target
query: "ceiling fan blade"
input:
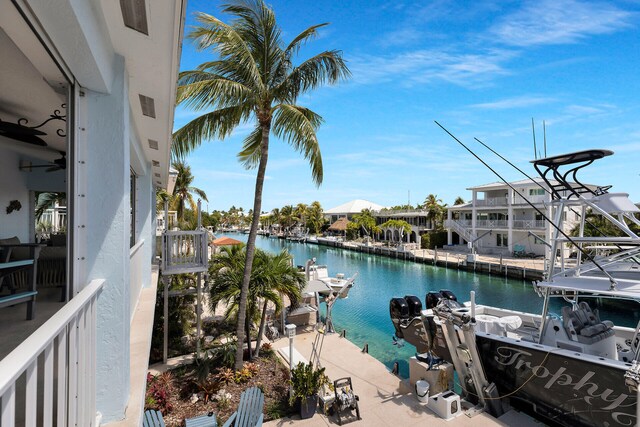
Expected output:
(53, 169)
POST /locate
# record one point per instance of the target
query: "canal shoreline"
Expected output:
(513, 268)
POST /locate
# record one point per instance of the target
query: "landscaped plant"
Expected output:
(225, 375)
(158, 392)
(307, 380)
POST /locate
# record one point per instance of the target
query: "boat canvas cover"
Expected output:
(595, 285)
(317, 286)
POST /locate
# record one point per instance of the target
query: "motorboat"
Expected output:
(568, 365)
(326, 288)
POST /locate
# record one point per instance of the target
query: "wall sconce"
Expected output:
(14, 205)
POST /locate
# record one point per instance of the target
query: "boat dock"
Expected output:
(385, 399)
(515, 268)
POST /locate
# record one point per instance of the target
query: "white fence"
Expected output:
(66, 386)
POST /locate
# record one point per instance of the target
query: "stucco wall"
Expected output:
(107, 136)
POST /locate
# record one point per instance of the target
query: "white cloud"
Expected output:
(559, 22)
(424, 66)
(517, 102)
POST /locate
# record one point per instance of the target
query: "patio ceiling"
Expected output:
(31, 86)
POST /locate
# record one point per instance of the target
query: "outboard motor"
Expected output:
(448, 294)
(414, 304)
(432, 299)
(399, 311)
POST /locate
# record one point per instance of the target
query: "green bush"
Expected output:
(433, 240)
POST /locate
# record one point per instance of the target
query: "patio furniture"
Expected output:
(249, 413)
(207, 420)
(9, 268)
(345, 398)
(152, 418)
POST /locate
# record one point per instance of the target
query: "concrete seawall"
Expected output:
(502, 267)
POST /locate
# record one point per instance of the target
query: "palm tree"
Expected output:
(48, 200)
(287, 217)
(253, 78)
(459, 201)
(301, 211)
(435, 210)
(271, 275)
(182, 193)
(315, 217)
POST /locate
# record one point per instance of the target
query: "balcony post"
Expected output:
(510, 219)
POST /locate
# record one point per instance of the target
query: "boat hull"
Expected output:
(563, 387)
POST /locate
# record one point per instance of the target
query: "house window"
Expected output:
(502, 239)
(539, 216)
(536, 191)
(538, 241)
(132, 205)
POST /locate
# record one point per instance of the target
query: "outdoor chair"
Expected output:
(207, 420)
(152, 418)
(519, 251)
(249, 413)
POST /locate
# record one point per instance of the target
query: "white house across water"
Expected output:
(498, 220)
(87, 94)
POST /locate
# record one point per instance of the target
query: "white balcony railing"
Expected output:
(492, 201)
(528, 224)
(67, 345)
(492, 223)
(184, 251)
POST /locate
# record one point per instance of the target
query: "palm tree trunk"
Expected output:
(247, 330)
(251, 242)
(261, 328)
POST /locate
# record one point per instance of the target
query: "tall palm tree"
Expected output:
(287, 217)
(459, 201)
(435, 210)
(301, 211)
(315, 217)
(254, 78)
(182, 193)
(271, 275)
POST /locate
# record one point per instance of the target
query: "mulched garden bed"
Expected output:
(174, 393)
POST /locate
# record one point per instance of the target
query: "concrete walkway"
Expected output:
(383, 398)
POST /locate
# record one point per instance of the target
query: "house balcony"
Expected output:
(492, 202)
(529, 224)
(51, 371)
(185, 252)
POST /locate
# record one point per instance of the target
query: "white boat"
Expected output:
(337, 283)
(577, 369)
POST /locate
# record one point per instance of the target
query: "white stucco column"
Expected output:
(474, 213)
(108, 218)
(449, 233)
(510, 220)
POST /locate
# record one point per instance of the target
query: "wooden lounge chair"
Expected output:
(249, 413)
(152, 418)
(207, 420)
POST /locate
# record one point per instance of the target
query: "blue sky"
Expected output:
(482, 69)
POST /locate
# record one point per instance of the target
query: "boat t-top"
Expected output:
(567, 365)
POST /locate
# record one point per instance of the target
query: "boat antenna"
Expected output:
(586, 220)
(559, 229)
(544, 133)
(533, 130)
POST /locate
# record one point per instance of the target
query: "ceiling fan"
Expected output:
(56, 165)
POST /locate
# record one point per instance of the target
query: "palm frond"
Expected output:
(216, 124)
(326, 67)
(224, 39)
(198, 92)
(47, 201)
(250, 154)
(297, 126)
(199, 192)
(301, 39)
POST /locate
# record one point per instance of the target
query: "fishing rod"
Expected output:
(586, 220)
(533, 130)
(558, 229)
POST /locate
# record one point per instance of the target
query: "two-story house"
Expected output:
(500, 220)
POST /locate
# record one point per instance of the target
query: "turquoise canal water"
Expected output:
(365, 313)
